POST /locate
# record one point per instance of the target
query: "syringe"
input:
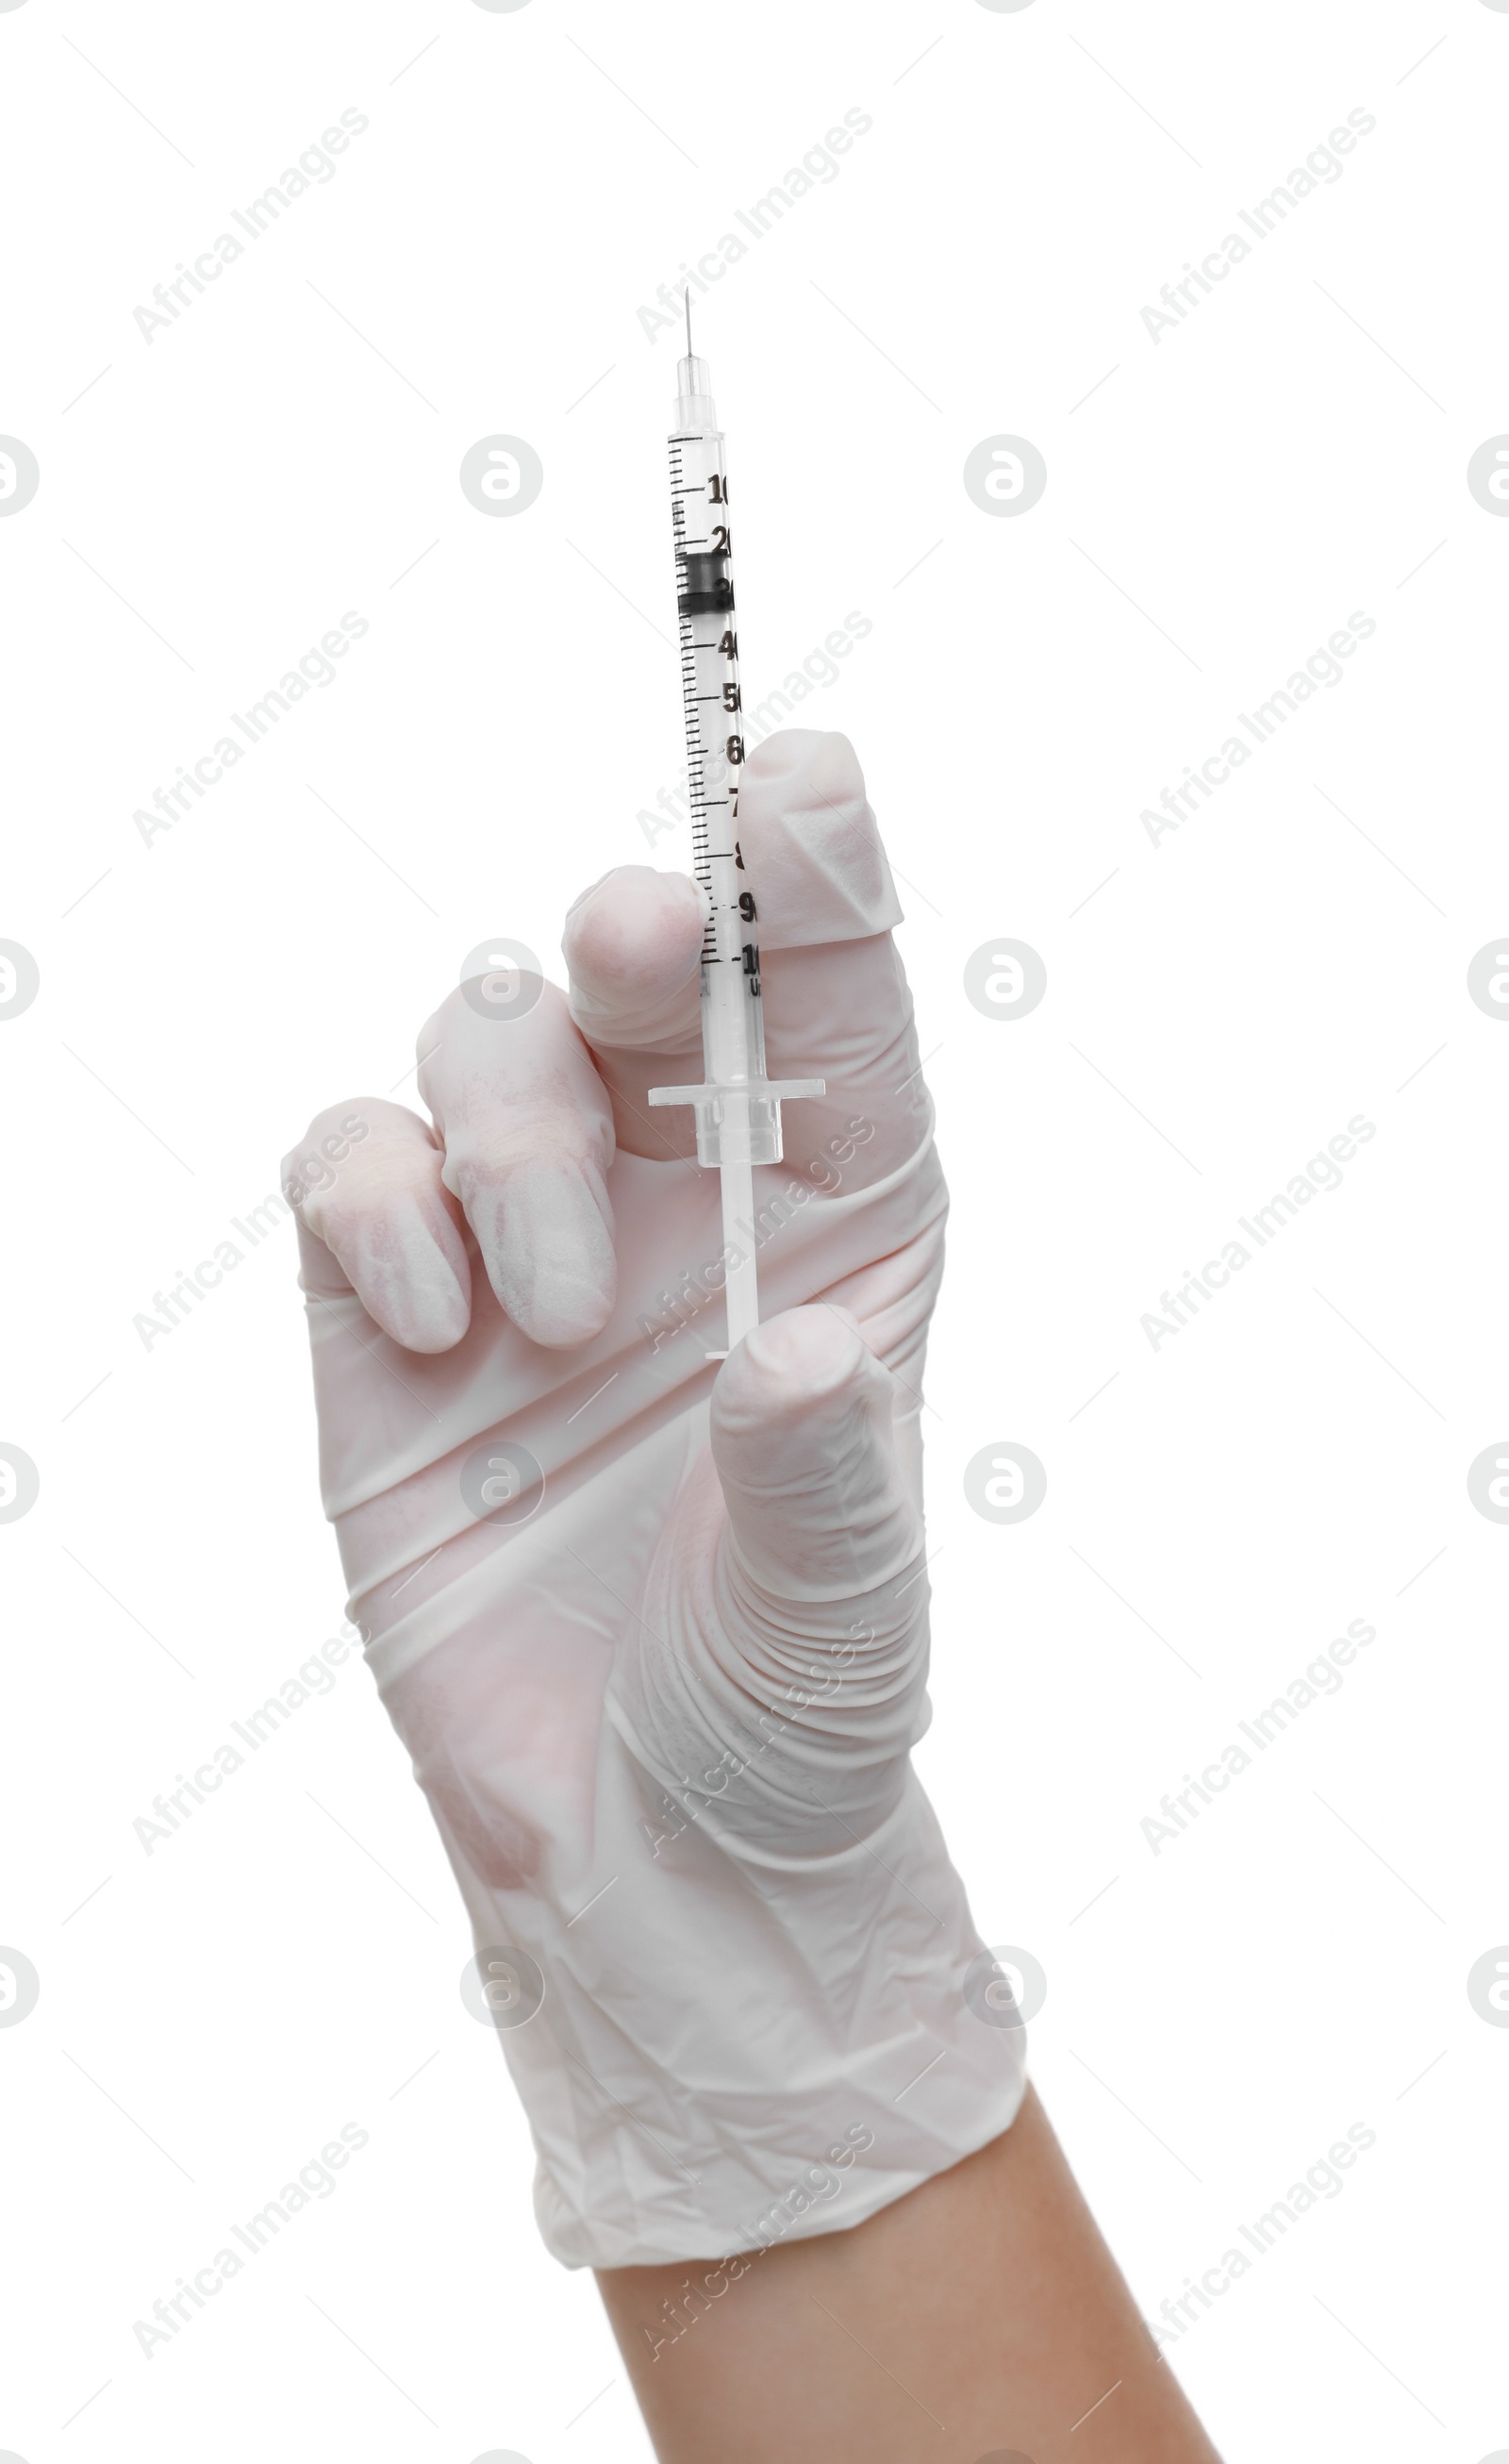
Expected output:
(737, 1108)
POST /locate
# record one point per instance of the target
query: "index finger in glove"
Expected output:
(835, 1001)
(816, 870)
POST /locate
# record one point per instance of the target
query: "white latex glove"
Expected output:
(654, 1632)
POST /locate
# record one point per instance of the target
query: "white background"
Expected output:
(1219, 503)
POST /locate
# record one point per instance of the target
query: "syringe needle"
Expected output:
(688, 320)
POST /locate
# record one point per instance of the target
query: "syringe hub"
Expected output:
(695, 413)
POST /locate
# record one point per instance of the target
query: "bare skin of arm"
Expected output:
(981, 2319)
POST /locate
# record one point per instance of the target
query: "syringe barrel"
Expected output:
(734, 1043)
(737, 1108)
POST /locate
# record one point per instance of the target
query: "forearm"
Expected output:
(980, 2314)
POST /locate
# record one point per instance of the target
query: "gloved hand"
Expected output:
(654, 1631)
